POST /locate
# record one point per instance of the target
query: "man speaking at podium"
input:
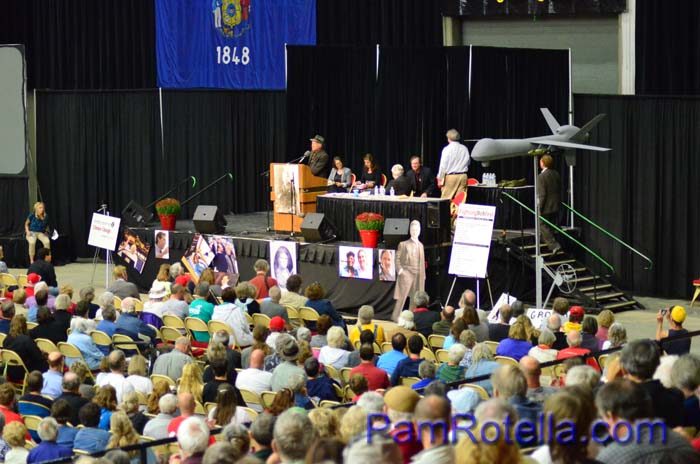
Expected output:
(317, 157)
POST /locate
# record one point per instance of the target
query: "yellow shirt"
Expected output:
(378, 333)
(572, 326)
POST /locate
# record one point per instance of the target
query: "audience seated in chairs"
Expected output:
(254, 378)
(334, 353)
(71, 395)
(482, 364)
(376, 377)
(191, 381)
(423, 316)
(84, 343)
(315, 294)
(291, 296)
(319, 386)
(322, 325)
(158, 426)
(479, 327)
(544, 352)
(130, 325)
(48, 449)
(287, 348)
(260, 334)
(130, 406)
(137, 370)
(53, 377)
(233, 316)
(171, 364)
(366, 337)
(246, 294)
(388, 361)
(117, 367)
(227, 410)
(365, 316)
(14, 434)
(90, 438)
(61, 411)
(176, 304)
(33, 403)
(427, 372)
(517, 344)
(451, 371)
(499, 330)
(408, 367)
(121, 287)
(124, 434)
(19, 341)
(447, 317)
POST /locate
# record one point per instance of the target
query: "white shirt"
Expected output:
(154, 307)
(118, 381)
(454, 159)
(239, 417)
(255, 380)
(141, 384)
(231, 314)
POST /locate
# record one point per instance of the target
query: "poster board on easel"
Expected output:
(472, 240)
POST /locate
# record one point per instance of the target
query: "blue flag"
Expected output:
(231, 44)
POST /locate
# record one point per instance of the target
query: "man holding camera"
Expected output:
(676, 317)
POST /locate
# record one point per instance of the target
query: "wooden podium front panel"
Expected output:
(309, 188)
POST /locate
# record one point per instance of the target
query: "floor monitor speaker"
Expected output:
(209, 220)
(317, 228)
(395, 231)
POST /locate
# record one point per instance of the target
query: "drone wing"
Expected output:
(559, 143)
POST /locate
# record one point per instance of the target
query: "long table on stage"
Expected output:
(509, 215)
(432, 213)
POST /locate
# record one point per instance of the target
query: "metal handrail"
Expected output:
(561, 231)
(610, 234)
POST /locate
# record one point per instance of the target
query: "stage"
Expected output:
(316, 262)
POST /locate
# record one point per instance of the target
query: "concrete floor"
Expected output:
(639, 323)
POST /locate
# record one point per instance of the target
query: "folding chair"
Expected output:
(506, 360)
(32, 423)
(267, 398)
(196, 325)
(12, 359)
(68, 350)
(251, 397)
(408, 381)
(124, 343)
(261, 319)
(165, 378)
(174, 322)
(101, 339)
(308, 315)
(294, 317)
(30, 408)
(436, 342)
(427, 353)
(45, 345)
(441, 355)
(477, 388)
(169, 334)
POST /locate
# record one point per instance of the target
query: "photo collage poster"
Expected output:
(283, 255)
(224, 263)
(133, 251)
(198, 257)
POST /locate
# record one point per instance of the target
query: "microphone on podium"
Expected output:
(307, 153)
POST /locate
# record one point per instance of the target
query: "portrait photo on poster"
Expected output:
(162, 244)
(387, 266)
(355, 262)
(224, 254)
(133, 250)
(284, 261)
(198, 257)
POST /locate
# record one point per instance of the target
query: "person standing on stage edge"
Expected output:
(548, 199)
(36, 227)
(318, 159)
(454, 164)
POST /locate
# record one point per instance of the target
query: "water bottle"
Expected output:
(382, 191)
(391, 191)
(483, 178)
(493, 179)
(376, 190)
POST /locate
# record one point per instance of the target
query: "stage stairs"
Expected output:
(582, 286)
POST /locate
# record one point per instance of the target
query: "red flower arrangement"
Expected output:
(369, 221)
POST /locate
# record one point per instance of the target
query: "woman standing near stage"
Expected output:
(371, 174)
(37, 226)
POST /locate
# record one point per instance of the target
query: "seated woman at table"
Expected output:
(340, 177)
(371, 174)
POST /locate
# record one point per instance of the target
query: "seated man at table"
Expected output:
(421, 179)
(400, 183)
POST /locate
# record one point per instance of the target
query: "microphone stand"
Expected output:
(266, 174)
(293, 208)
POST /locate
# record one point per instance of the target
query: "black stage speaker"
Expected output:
(135, 215)
(395, 231)
(316, 228)
(209, 220)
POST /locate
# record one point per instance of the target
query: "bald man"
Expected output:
(436, 440)
(255, 378)
(71, 388)
(171, 364)
(535, 391)
(116, 378)
(54, 376)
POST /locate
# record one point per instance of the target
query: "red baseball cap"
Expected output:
(576, 311)
(277, 323)
(33, 278)
(182, 280)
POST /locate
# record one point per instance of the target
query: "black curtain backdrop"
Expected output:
(210, 133)
(84, 44)
(330, 91)
(667, 48)
(15, 194)
(95, 148)
(508, 88)
(645, 189)
(105, 147)
(385, 22)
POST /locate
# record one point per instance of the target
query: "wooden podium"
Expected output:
(293, 190)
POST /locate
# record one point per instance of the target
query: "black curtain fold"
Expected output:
(14, 191)
(84, 44)
(644, 190)
(385, 22)
(95, 148)
(330, 91)
(667, 48)
(211, 133)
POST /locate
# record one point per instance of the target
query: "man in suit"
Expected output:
(548, 199)
(421, 179)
